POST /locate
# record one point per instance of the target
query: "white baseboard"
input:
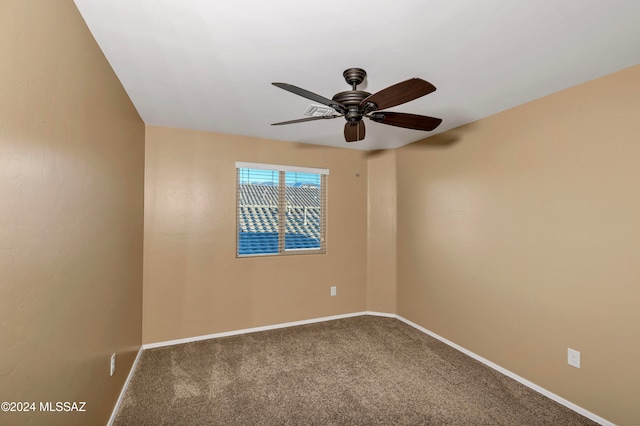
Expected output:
(253, 330)
(512, 375)
(124, 389)
(485, 361)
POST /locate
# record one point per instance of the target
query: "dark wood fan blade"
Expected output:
(399, 93)
(310, 95)
(302, 120)
(409, 121)
(354, 132)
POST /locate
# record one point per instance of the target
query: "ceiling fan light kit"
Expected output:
(356, 104)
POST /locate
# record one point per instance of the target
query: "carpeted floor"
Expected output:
(363, 370)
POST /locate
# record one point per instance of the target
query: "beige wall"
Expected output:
(381, 232)
(193, 282)
(522, 239)
(71, 191)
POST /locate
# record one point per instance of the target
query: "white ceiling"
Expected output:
(209, 64)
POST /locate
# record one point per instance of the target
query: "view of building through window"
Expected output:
(279, 211)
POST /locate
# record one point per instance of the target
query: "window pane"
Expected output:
(257, 211)
(303, 214)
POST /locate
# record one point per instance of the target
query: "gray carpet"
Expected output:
(364, 370)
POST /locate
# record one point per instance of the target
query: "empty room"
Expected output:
(349, 212)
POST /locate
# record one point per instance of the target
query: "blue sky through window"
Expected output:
(299, 179)
(259, 176)
(270, 177)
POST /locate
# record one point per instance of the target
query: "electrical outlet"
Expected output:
(333, 290)
(112, 368)
(573, 358)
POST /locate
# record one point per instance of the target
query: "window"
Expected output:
(280, 209)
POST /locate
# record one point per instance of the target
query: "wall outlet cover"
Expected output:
(573, 358)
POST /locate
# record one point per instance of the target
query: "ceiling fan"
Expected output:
(355, 104)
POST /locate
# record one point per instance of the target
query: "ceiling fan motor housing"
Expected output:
(351, 99)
